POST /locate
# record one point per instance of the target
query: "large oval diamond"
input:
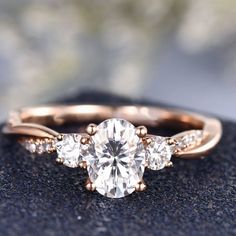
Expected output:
(116, 158)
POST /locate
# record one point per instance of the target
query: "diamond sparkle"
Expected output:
(69, 150)
(115, 158)
(158, 153)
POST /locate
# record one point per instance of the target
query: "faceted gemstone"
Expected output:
(190, 139)
(38, 145)
(40, 149)
(47, 146)
(115, 158)
(158, 153)
(31, 147)
(69, 149)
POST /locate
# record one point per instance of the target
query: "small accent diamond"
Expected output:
(31, 147)
(40, 149)
(38, 145)
(159, 153)
(189, 139)
(69, 149)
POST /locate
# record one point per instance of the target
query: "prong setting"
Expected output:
(158, 153)
(59, 160)
(69, 150)
(141, 131)
(60, 137)
(83, 164)
(147, 141)
(85, 140)
(171, 141)
(169, 164)
(141, 186)
(89, 185)
(91, 129)
(124, 166)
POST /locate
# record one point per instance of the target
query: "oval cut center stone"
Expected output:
(115, 158)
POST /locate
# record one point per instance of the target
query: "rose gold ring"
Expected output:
(114, 152)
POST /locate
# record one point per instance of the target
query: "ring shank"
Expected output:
(32, 121)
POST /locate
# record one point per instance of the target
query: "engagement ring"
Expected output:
(116, 147)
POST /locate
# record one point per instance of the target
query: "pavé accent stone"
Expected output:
(189, 139)
(31, 147)
(38, 145)
(159, 153)
(115, 158)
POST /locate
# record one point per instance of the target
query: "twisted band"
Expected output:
(115, 152)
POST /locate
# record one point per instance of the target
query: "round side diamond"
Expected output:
(115, 158)
(158, 153)
(69, 149)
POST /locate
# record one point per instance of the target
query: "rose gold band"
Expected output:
(33, 121)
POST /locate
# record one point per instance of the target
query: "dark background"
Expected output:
(195, 197)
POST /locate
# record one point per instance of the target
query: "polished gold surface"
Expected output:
(141, 186)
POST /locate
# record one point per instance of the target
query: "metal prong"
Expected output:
(60, 137)
(141, 186)
(171, 141)
(91, 129)
(89, 185)
(141, 131)
(169, 164)
(59, 160)
(83, 164)
(85, 140)
(147, 141)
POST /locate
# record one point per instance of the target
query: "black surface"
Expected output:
(195, 197)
